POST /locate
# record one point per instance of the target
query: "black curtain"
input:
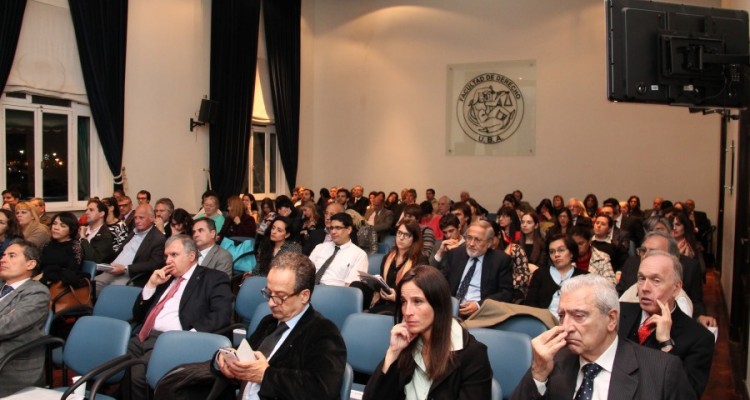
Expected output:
(101, 34)
(11, 18)
(282, 22)
(234, 50)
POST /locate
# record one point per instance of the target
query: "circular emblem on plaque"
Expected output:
(490, 108)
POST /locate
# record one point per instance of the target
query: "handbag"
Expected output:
(63, 297)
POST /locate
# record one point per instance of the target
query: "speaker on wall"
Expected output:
(207, 114)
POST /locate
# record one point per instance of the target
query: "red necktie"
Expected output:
(644, 331)
(148, 325)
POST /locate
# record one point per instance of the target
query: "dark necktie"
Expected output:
(590, 371)
(324, 267)
(463, 288)
(644, 331)
(6, 289)
(269, 343)
(148, 324)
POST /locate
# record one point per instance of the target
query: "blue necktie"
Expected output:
(463, 288)
(6, 289)
(586, 391)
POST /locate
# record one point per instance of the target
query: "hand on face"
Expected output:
(662, 322)
(544, 347)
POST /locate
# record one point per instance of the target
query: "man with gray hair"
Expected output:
(585, 358)
(656, 321)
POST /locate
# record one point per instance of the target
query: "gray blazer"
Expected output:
(219, 259)
(23, 313)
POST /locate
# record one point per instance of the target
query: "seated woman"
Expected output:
(413, 212)
(267, 215)
(520, 262)
(430, 355)
(634, 206)
(275, 242)
(61, 258)
(430, 219)
(509, 224)
(532, 240)
(238, 222)
(545, 215)
(683, 231)
(589, 257)
(311, 220)
(9, 229)
(544, 289)
(403, 256)
(558, 204)
(181, 223)
(477, 211)
(285, 208)
(211, 209)
(591, 204)
(392, 201)
(116, 226)
(251, 206)
(33, 230)
(562, 225)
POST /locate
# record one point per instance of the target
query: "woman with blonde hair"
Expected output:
(239, 222)
(32, 230)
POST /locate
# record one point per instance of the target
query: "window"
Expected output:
(265, 165)
(47, 146)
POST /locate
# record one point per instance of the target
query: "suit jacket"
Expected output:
(637, 373)
(309, 364)
(542, 287)
(470, 377)
(23, 313)
(149, 256)
(497, 273)
(314, 238)
(692, 280)
(219, 259)
(99, 248)
(383, 222)
(694, 344)
(360, 205)
(205, 305)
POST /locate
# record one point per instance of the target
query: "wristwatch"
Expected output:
(668, 342)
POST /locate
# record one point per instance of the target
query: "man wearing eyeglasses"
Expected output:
(339, 261)
(125, 204)
(476, 273)
(300, 354)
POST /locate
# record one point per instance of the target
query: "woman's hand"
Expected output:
(388, 296)
(400, 338)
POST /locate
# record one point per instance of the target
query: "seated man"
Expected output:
(452, 239)
(339, 261)
(162, 214)
(211, 255)
(143, 252)
(301, 355)
(379, 217)
(24, 306)
(96, 242)
(583, 357)
(318, 236)
(180, 296)
(658, 323)
(476, 273)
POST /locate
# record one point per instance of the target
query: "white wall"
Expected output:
(379, 100)
(167, 73)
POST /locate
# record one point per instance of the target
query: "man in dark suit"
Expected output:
(584, 353)
(692, 282)
(475, 272)
(24, 306)
(301, 354)
(656, 210)
(180, 296)
(163, 210)
(379, 217)
(142, 253)
(210, 254)
(96, 239)
(658, 323)
(127, 214)
(358, 202)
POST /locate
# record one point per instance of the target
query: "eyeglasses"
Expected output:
(472, 239)
(277, 300)
(403, 235)
(123, 205)
(335, 228)
(641, 251)
(561, 250)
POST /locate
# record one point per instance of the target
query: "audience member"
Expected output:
(41, 211)
(591, 204)
(62, 257)
(578, 213)
(238, 222)
(358, 202)
(276, 242)
(181, 223)
(379, 217)
(251, 206)
(463, 212)
(524, 206)
(115, 225)
(510, 225)
(9, 229)
(545, 215)
(392, 201)
(563, 223)
(558, 204)
(125, 204)
(311, 220)
(339, 261)
(211, 209)
(589, 258)
(413, 212)
(33, 231)
(163, 210)
(532, 239)
(429, 195)
(364, 235)
(634, 206)
(285, 208)
(210, 254)
(452, 239)
(519, 262)
(143, 197)
(11, 197)
(267, 214)
(97, 243)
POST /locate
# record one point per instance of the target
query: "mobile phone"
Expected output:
(229, 354)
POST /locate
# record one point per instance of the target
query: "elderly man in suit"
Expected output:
(180, 296)
(142, 252)
(379, 217)
(658, 323)
(476, 273)
(583, 357)
(210, 254)
(301, 355)
(24, 306)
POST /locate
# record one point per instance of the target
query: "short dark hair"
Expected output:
(69, 219)
(112, 201)
(344, 218)
(146, 192)
(463, 207)
(13, 192)
(610, 222)
(570, 244)
(582, 231)
(431, 190)
(100, 206)
(209, 222)
(30, 253)
(284, 201)
(413, 210)
(300, 264)
(448, 220)
(345, 191)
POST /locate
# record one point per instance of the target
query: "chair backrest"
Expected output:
(502, 347)
(385, 246)
(89, 268)
(117, 301)
(373, 263)
(523, 324)
(95, 340)
(497, 391)
(367, 337)
(180, 347)
(260, 311)
(337, 302)
(249, 297)
(346, 383)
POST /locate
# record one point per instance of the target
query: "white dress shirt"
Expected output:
(169, 317)
(345, 268)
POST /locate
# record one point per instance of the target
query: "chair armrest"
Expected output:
(94, 372)
(114, 369)
(228, 329)
(42, 341)
(136, 276)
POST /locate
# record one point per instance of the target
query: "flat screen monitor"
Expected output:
(677, 54)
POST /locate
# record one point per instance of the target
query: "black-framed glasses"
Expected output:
(277, 300)
(335, 228)
(403, 235)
